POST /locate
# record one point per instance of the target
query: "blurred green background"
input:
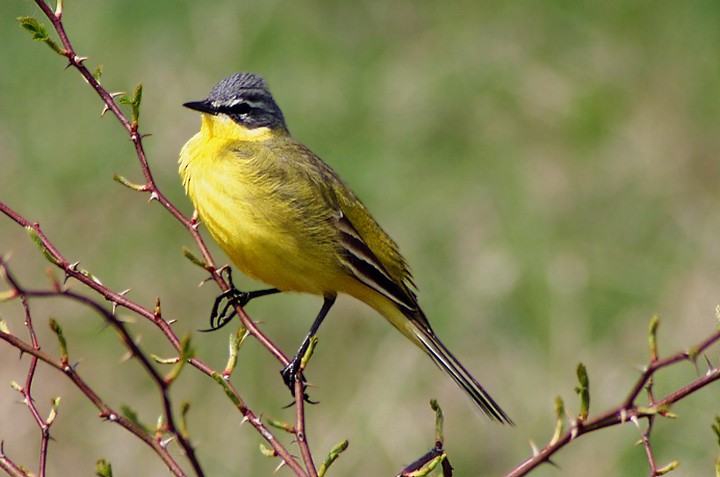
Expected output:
(549, 169)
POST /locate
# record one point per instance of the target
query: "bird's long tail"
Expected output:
(450, 364)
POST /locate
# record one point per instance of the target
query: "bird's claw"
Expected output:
(220, 317)
(290, 374)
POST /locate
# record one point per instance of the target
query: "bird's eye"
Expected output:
(241, 109)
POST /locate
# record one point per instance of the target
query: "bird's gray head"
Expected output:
(246, 99)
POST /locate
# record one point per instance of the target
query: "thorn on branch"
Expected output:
(166, 442)
(73, 267)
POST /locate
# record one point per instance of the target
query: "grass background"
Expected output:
(549, 169)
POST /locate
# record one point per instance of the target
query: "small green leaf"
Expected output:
(428, 467)
(157, 311)
(236, 339)
(97, 74)
(159, 360)
(184, 409)
(54, 405)
(560, 419)
(308, 354)
(583, 390)
(130, 185)
(194, 259)
(266, 451)
(186, 353)
(134, 102)
(668, 468)
(716, 428)
(438, 421)
(652, 337)
(283, 426)
(37, 29)
(55, 327)
(332, 457)
(38, 241)
(103, 468)
(39, 33)
(228, 390)
(131, 415)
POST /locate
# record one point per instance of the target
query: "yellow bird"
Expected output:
(284, 217)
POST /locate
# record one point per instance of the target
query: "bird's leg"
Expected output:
(232, 298)
(290, 372)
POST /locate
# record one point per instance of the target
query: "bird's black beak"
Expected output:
(203, 106)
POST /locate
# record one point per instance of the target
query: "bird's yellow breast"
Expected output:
(255, 207)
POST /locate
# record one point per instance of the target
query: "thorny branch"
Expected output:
(131, 127)
(629, 410)
(119, 299)
(127, 341)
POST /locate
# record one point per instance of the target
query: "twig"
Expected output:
(9, 466)
(27, 389)
(150, 186)
(628, 410)
(65, 367)
(300, 433)
(118, 299)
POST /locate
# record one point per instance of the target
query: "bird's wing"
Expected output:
(367, 251)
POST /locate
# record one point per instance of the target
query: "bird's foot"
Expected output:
(223, 310)
(291, 374)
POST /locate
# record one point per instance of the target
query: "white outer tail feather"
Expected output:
(445, 360)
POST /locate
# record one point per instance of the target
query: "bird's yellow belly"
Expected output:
(256, 238)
